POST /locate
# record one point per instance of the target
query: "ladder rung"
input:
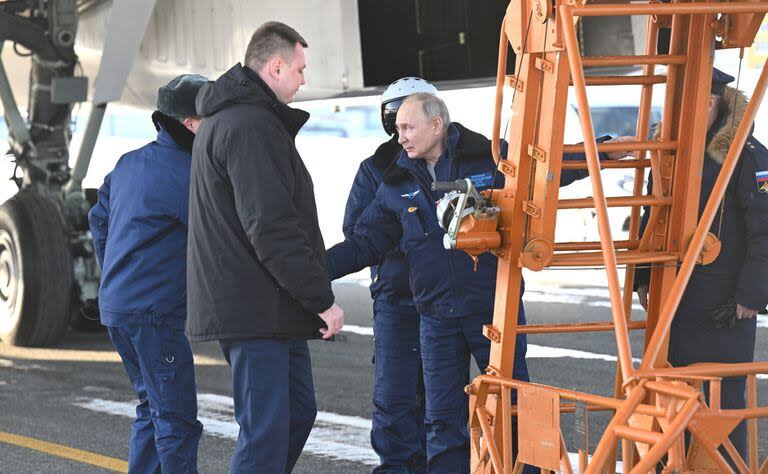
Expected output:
(577, 246)
(565, 407)
(624, 146)
(607, 165)
(575, 327)
(668, 9)
(634, 434)
(666, 388)
(623, 80)
(598, 61)
(621, 201)
(627, 257)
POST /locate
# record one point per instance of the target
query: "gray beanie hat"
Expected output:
(177, 98)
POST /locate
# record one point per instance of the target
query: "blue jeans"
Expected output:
(446, 345)
(397, 434)
(274, 402)
(165, 434)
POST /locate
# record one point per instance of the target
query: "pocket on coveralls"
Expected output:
(172, 369)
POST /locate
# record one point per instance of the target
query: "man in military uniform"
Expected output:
(716, 318)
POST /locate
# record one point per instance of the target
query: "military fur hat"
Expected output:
(177, 98)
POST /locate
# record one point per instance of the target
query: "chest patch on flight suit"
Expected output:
(482, 180)
(762, 181)
(410, 195)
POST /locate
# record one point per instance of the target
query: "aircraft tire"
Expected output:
(35, 272)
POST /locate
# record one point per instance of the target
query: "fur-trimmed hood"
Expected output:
(732, 106)
(387, 153)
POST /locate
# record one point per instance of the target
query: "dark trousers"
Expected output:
(694, 341)
(274, 402)
(446, 345)
(397, 434)
(165, 433)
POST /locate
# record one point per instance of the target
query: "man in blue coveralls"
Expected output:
(397, 434)
(139, 228)
(454, 301)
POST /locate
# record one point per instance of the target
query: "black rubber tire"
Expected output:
(35, 272)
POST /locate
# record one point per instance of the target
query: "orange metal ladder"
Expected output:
(548, 60)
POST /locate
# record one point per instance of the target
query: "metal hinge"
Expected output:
(537, 153)
(492, 333)
(531, 209)
(515, 83)
(544, 65)
(508, 169)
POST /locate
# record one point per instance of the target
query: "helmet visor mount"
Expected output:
(446, 208)
(389, 114)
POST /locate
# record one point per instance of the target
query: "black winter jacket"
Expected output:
(256, 258)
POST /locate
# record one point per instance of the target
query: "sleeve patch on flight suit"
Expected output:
(762, 181)
(482, 180)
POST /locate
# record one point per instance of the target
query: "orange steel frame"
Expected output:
(653, 404)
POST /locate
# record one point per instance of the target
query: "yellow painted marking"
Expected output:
(85, 457)
(80, 355)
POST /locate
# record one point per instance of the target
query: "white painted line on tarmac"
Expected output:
(762, 321)
(535, 351)
(333, 436)
(362, 330)
(607, 304)
(540, 297)
(223, 403)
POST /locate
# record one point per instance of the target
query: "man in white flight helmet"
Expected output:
(397, 435)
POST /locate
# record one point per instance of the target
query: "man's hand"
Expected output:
(642, 295)
(745, 313)
(617, 155)
(334, 319)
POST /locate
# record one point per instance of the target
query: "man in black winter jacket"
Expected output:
(257, 279)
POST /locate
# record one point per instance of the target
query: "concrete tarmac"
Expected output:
(77, 395)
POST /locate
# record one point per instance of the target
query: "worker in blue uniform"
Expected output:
(453, 299)
(397, 433)
(139, 229)
(716, 321)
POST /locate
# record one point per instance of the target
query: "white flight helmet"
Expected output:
(393, 97)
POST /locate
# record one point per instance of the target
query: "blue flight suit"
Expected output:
(397, 434)
(454, 300)
(739, 273)
(139, 228)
